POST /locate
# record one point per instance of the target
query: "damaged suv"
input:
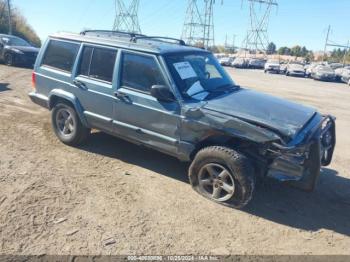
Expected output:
(177, 99)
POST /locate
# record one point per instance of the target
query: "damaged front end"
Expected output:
(299, 163)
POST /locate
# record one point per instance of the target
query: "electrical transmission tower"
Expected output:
(198, 28)
(257, 39)
(126, 19)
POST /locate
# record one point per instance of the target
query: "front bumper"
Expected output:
(300, 164)
(297, 73)
(324, 77)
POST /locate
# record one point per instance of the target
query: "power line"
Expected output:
(199, 23)
(126, 19)
(257, 39)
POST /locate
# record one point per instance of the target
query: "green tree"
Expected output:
(20, 26)
(284, 51)
(271, 48)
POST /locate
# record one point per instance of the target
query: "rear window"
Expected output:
(61, 55)
(98, 63)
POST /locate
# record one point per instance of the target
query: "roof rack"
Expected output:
(159, 38)
(111, 32)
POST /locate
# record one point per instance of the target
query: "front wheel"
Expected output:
(223, 175)
(67, 125)
(9, 59)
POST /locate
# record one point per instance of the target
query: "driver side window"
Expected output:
(140, 72)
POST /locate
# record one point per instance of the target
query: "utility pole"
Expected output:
(126, 19)
(234, 42)
(326, 44)
(199, 23)
(346, 52)
(257, 39)
(9, 16)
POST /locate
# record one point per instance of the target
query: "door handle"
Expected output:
(79, 84)
(121, 95)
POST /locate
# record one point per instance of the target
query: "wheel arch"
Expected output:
(57, 96)
(218, 140)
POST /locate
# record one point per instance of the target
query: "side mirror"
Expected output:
(162, 93)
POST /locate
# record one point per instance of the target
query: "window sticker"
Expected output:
(197, 91)
(185, 70)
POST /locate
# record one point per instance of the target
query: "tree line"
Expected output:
(20, 26)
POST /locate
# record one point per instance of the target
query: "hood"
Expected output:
(24, 49)
(280, 115)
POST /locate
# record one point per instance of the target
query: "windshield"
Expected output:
(14, 41)
(198, 74)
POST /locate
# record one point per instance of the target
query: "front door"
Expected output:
(138, 115)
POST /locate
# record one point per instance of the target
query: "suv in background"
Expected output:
(177, 99)
(16, 51)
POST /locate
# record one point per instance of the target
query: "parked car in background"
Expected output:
(340, 71)
(239, 63)
(178, 100)
(226, 61)
(335, 66)
(16, 51)
(310, 69)
(323, 73)
(346, 76)
(295, 69)
(272, 66)
(283, 67)
(255, 63)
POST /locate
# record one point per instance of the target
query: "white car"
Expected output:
(295, 69)
(272, 66)
(226, 61)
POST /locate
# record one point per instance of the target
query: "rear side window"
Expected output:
(98, 63)
(140, 72)
(61, 55)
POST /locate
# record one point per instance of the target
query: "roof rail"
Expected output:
(111, 32)
(159, 38)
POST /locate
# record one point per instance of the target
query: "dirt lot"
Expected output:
(55, 199)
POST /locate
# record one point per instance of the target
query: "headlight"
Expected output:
(17, 51)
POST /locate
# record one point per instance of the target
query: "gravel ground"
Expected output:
(111, 197)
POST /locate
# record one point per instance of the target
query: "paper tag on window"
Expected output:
(185, 70)
(195, 89)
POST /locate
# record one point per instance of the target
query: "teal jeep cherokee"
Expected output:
(177, 99)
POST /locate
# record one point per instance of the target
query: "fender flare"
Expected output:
(64, 95)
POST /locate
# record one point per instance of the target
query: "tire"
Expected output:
(238, 174)
(71, 132)
(9, 59)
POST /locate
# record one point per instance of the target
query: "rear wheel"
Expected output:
(9, 59)
(223, 176)
(67, 125)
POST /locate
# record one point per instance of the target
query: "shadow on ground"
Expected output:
(4, 87)
(326, 208)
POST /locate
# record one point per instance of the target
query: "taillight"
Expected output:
(33, 80)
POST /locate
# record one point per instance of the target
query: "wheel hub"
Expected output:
(216, 182)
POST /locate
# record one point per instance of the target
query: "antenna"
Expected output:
(257, 38)
(198, 28)
(126, 19)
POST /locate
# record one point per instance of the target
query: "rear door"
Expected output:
(139, 116)
(94, 78)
